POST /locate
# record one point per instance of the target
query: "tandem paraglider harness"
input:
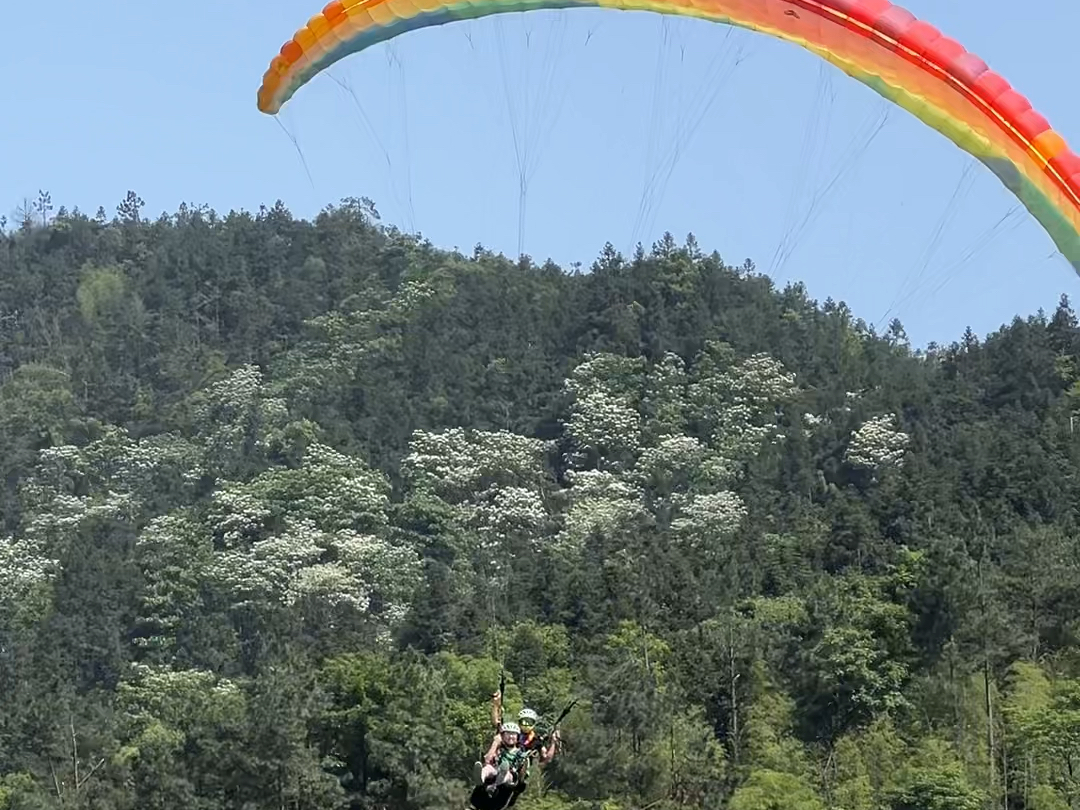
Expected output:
(505, 796)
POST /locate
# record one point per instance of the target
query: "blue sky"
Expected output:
(746, 133)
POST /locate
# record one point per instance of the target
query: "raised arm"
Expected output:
(493, 750)
(548, 753)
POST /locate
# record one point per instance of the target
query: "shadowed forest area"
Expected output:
(283, 499)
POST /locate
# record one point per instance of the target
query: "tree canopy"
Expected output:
(282, 500)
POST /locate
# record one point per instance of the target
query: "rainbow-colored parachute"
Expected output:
(904, 59)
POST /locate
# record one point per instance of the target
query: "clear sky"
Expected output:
(748, 140)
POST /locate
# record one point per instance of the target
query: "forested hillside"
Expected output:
(282, 500)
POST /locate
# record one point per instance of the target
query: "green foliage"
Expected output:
(282, 502)
(771, 790)
(936, 790)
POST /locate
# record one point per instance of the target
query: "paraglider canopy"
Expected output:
(906, 60)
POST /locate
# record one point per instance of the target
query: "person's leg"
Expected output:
(505, 775)
(508, 795)
(518, 790)
(480, 798)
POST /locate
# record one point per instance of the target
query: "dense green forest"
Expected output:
(282, 499)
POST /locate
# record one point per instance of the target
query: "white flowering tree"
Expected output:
(302, 562)
(26, 573)
(664, 406)
(314, 537)
(605, 433)
(331, 489)
(242, 424)
(112, 478)
(113, 469)
(735, 402)
(341, 343)
(707, 519)
(878, 444)
(496, 485)
(174, 554)
(601, 503)
(662, 445)
(605, 423)
(455, 464)
(178, 726)
(173, 700)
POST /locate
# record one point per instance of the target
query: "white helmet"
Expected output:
(528, 714)
(511, 727)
